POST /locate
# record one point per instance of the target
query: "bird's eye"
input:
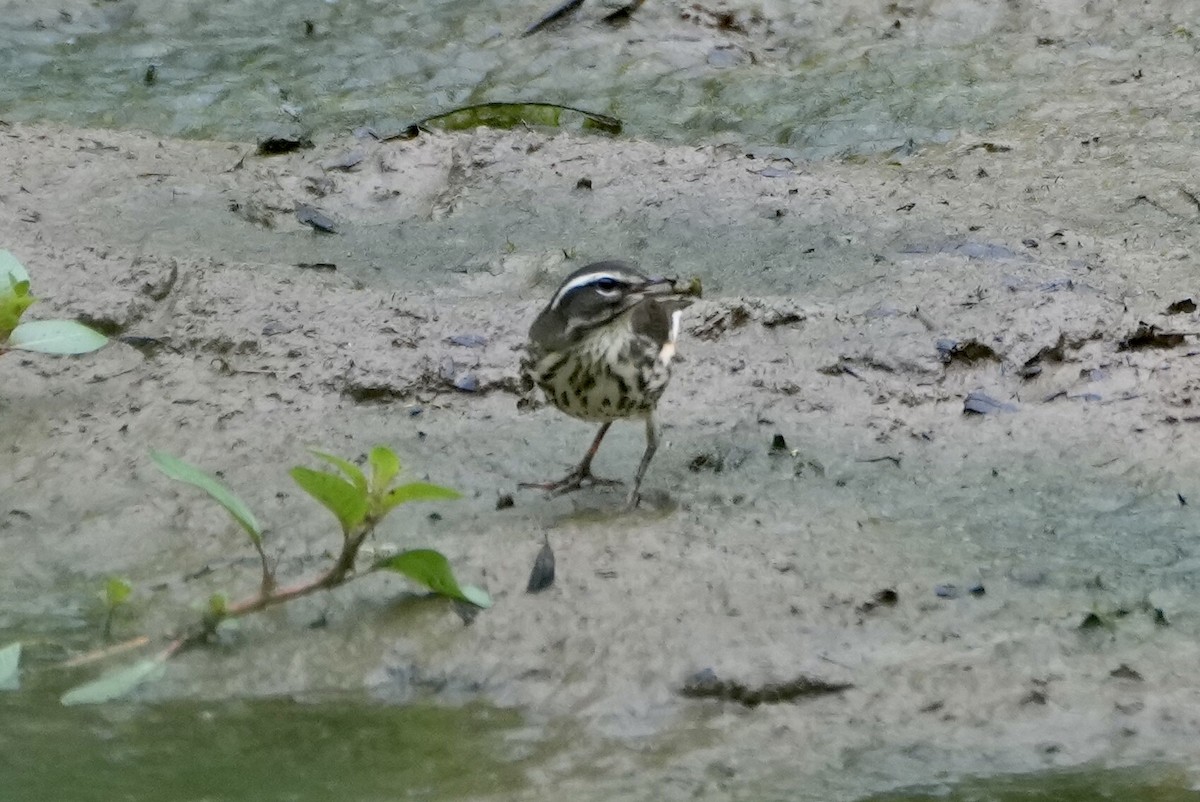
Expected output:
(606, 284)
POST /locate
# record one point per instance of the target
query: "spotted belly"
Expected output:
(604, 384)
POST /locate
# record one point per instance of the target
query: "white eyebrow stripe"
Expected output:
(581, 281)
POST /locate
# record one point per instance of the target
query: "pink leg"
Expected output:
(635, 494)
(581, 475)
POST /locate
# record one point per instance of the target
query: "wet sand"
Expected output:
(851, 308)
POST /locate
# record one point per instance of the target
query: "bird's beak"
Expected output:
(660, 286)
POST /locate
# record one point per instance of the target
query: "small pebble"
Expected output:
(467, 382)
(979, 403)
(315, 219)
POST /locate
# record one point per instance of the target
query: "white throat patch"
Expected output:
(668, 350)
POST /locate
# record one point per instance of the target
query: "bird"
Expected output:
(601, 351)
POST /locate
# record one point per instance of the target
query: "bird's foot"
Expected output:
(575, 480)
(632, 500)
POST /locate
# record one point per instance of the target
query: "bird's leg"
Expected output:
(585, 468)
(581, 475)
(635, 495)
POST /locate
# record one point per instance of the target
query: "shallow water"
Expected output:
(861, 80)
(1149, 784)
(345, 748)
(251, 750)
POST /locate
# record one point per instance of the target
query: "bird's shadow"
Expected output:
(598, 507)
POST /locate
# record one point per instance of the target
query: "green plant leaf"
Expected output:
(183, 472)
(384, 467)
(10, 667)
(432, 569)
(477, 596)
(116, 591)
(344, 500)
(9, 266)
(218, 605)
(417, 491)
(14, 300)
(510, 115)
(352, 471)
(115, 684)
(56, 337)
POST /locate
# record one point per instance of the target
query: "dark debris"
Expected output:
(967, 352)
(1123, 671)
(706, 684)
(624, 13)
(1150, 336)
(278, 145)
(553, 15)
(542, 575)
(888, 597)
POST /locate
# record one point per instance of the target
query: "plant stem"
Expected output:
(269, 594)
(268, 577)
(104, 654)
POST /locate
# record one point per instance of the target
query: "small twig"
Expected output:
(1152, 203)
(924, 318)
(1190, 196)
(240, 163)
(104, 378)
(848, 369)
(179, 644)
(885, 458)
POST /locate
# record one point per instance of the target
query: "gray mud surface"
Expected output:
(850, 307)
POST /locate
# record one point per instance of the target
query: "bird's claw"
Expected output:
(575, 480)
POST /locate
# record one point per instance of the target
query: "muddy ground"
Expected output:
(851, 308)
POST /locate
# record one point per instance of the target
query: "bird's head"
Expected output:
(594, 296)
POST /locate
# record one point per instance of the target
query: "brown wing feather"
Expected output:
(651, 319)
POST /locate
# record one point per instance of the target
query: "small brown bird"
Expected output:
(601, 351)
